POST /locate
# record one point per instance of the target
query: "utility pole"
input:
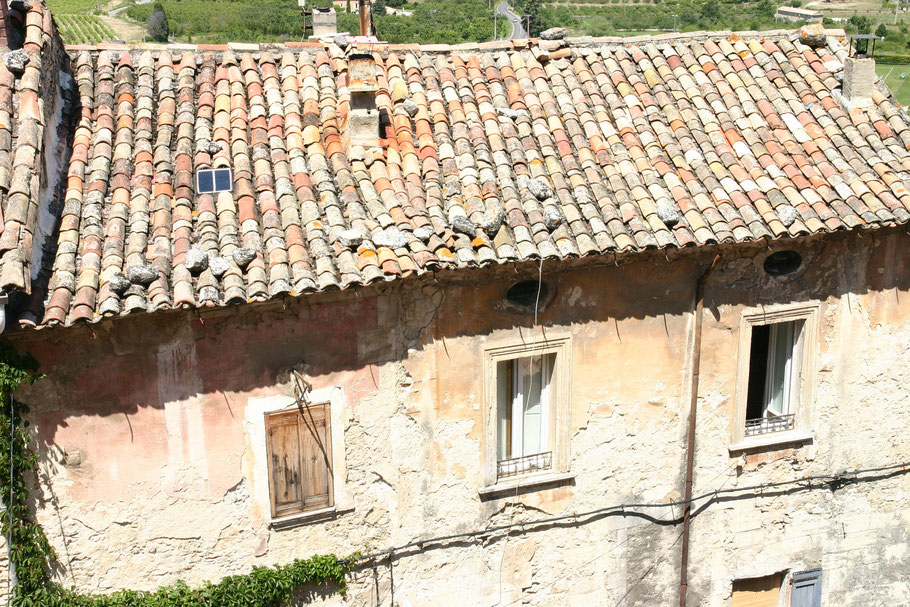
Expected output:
(674, 23)
(495, 38)
(528, 27)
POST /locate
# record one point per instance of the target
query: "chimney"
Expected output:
(363, 118)
(325, 22)
(859, 80)
(4, 24)
(12, 24)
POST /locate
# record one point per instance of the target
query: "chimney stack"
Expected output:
(325, 22)
(12, 24)
(859, 80)
(363, 118)
(4, 24)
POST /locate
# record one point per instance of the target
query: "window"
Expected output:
(757, 592)
(807, 589)
(524, 415)
(773, 377)
(527, 413)
(213, 180)
(775, 381)
(299, 444)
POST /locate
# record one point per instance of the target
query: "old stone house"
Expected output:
(456, 307)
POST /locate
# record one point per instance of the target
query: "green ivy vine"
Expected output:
(34, 557)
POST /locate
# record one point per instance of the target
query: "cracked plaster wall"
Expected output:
(145, 473)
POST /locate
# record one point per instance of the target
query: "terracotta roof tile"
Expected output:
(489, 153)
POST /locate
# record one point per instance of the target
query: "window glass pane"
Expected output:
(206, 181)
(503, 408)
(532, 407)
(780, 367)
(223, 180)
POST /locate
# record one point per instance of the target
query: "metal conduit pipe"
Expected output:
(690, 448)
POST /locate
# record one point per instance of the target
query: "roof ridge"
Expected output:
(498, 45)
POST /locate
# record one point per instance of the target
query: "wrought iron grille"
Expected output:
(521, 465)
(772, 423)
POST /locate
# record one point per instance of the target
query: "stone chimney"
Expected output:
(325, 22)
(363, 118)
(859, 80)
(12, 24)
(4, 24)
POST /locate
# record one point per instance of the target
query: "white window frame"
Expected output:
(559, 405)
(257, 453)
(802, 383)
(516, 407)
(214, 189)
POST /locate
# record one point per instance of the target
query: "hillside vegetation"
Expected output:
(218, 21)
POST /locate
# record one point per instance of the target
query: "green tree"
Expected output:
(535, 22)
(157, 24)
(710, 10)
(881, 31)
(766, 8)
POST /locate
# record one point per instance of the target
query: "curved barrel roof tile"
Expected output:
(486, 156)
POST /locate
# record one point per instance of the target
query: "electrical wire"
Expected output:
(834, 480)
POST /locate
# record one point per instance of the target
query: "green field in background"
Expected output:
(900, 87)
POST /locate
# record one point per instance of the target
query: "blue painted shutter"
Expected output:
(807, 589)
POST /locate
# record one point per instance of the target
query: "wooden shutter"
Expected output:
(757, 592)
(316, 453)
(300, 453)
(807, 589)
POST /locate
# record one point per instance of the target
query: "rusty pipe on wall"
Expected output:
(364, 7)
(690, 447)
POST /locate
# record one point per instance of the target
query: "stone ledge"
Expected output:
(305, 518)
(526, 483)
(772, 440)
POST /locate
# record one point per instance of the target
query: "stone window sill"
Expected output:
(772, 439)
(305, 518)
(523, 484)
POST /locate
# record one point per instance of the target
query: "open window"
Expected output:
(524, 420)
(527, 413)
(775, 381)
(299, 444)
(774, 373)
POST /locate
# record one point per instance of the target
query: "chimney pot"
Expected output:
(325, 22)
(859, 80)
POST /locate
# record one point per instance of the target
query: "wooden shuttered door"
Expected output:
(300, 456)
(757, 592)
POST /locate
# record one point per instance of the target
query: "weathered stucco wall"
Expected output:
(148, 474)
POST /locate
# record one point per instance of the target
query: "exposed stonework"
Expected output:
(155, 406)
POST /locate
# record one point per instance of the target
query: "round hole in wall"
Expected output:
(783, 262)
(524, 294)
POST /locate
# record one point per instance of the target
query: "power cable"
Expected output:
(834, 480)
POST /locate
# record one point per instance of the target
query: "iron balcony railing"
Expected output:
(772, 423)
(522, 465)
